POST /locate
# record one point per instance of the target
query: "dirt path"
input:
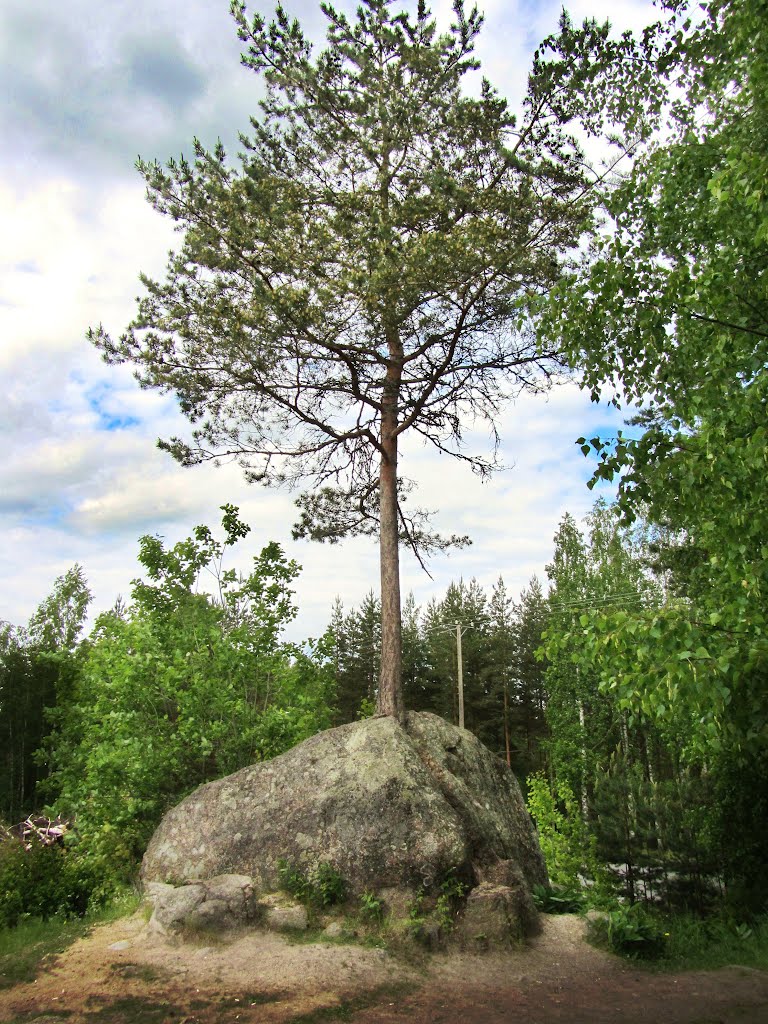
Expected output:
(119, 975)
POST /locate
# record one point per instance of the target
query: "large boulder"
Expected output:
(388, 807)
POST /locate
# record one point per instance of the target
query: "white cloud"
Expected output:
(81, 477)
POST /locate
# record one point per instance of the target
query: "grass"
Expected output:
(25, 948)
(705, 944)
(682, 941)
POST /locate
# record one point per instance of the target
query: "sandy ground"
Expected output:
(119, 974)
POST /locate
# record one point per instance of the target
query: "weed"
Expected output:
(371, 908)
(324, 887)
(558, 899)
(683, 941)
(701, 943)
(293, 881)
(329, 885)
(452, 887)
(416, 906)
(630, 931)
(452, 891)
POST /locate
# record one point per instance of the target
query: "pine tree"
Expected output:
(373, 267)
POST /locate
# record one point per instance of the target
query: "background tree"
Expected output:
(529, 690)
(673, 306)
(180, 688)
(357, 656)
(38, 665)
(369, 269)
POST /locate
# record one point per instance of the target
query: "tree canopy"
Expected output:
(371, 267)
(673, 307)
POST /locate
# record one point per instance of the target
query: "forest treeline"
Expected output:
(637, 800)
(191, 680)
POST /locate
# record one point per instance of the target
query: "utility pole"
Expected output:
(460, 675)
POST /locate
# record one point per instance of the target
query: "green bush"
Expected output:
(330, 886)
(630, 931)
(568, 846)
(42, 882)
(558, 899)
(371, 908)
(324, 887)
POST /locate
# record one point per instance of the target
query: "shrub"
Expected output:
(630, 931)
(324, 887)
(371, 908)
(558, 899)
(42, 882)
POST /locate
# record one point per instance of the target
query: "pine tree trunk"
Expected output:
(390, 700)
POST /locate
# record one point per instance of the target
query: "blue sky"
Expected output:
(87, 87)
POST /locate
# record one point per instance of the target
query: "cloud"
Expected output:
(87, 87)
(161, 69)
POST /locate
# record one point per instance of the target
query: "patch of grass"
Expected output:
(558, 899)
(695, 943)
(683, 942)
(25, 948)
(346, 1009)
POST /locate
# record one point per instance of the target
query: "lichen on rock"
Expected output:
(389, 808)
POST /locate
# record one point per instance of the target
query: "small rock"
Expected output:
(235, 890)
(123, 944)
(213, 915)
(287, 918)
(173, 907)
(335, 930)
(497, 915)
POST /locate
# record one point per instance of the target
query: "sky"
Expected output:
(87, 87)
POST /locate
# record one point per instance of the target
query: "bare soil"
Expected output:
(119, 974)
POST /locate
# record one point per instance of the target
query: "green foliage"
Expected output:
(568, 846)
(558, 899)
(416, 906)
(329, 884)
(180, 689)
(706, 943)
(323, 887)
(630, 931)
(37, 668)
(451, 892)
(41, 882)
(671, 308)
(371, 908)
(293, 881)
